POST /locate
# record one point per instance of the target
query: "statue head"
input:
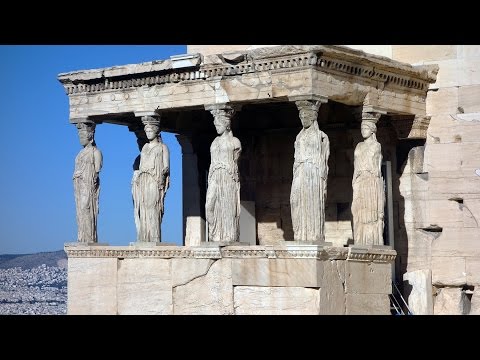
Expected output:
(152, 127)
(86, 133)
(221, 120)
(368, 128)
(308, 112)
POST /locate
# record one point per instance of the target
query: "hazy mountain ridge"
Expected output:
(29, 261)
(33, 283)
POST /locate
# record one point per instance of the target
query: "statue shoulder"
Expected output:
(214, 143)
(323, 134)
(165, 147)
(299, 135)
(156, 148)
(236, 143)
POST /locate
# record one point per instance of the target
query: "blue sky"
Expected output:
(38, 149)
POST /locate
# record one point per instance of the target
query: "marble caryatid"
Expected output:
(310, 172)
(368, 191)
(223, 193)
(150, 183)
(141, 141)
(86, 183)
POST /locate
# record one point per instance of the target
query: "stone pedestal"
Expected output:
(234, 279)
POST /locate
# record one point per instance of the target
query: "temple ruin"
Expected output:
(261, 90)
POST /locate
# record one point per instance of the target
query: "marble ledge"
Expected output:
(212, 251)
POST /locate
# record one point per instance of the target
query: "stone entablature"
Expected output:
(377, 254)
(322, 57)
(264, 74)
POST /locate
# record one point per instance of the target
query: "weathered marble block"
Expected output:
(144, 287)
(92, 286)
(267, 300)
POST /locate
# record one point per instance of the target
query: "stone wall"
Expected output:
(437, 193)
(267, 280)
(439, 190)
(443, 222)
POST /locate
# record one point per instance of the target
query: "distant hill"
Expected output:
(29, 261)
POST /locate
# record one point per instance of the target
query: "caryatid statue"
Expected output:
(368, 191)
(310, 171)
(150, 183)
(86, 184)
(223, 193)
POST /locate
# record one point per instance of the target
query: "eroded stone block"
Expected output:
(368, 277)
(92, 287)
(211, 294)
(277, 272)
(144, 287)
(255, 300)
(332, 293)
(448, 271)
(449, 301)
(185, 270)
(367, 304)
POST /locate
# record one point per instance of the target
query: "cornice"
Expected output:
(327, 59)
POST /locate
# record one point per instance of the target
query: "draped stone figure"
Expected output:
(86, 183)
(310, 172)
(141, 141)
(368, 191)
(150, 183)
(223, 193)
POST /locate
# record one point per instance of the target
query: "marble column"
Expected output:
(193, 222)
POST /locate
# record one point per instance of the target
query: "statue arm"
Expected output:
(98, 160)
(166, 166)
(236, 155)
(135, 176)
(295, 161)
(355, 172)
(379, 150)
(325, 154)
(381, 203)
(237, 149)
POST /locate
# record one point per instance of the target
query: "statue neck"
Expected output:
(371, 139)
(226, 133)
(314, 126)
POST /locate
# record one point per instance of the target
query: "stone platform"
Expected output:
(227, 280)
